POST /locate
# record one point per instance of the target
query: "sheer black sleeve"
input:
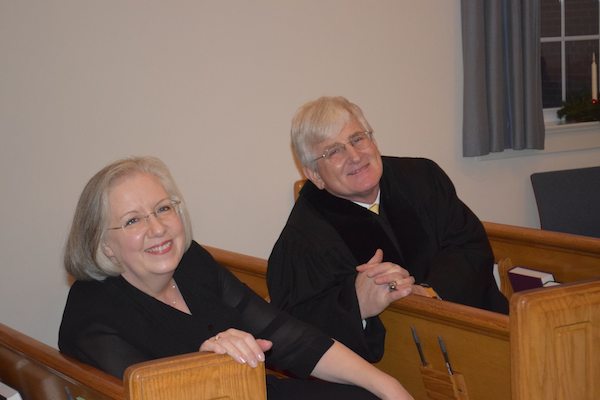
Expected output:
(297, 346)
(98, 344)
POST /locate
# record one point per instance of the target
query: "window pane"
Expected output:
(581, 17)
(550, 18)
(551, 75)
(579, 67)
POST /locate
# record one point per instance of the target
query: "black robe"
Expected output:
(422, 226)
(111, 324)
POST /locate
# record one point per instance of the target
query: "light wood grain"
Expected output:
(478, 341)
(555, 337)
(205, 376)
(569, 257)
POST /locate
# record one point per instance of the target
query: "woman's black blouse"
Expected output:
(111, 324)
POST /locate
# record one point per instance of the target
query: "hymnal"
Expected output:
(522, 278)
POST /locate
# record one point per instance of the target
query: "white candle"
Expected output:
(594, 78)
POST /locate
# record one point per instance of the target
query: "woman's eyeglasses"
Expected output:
(164, 211)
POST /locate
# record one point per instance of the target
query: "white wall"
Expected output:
(210, 87)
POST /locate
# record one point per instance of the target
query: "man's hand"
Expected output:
(379, 283)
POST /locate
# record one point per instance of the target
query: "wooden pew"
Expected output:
(555, 342)
(479, 341)
(482, 345)
(460, 326)
(569, 257)
(546, 346)
(40, 372)
(206, 376)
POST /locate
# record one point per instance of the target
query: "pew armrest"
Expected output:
(504, 266)
(195, 376)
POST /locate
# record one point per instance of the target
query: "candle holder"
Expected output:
(580, 109)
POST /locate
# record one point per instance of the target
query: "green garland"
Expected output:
(580, 109)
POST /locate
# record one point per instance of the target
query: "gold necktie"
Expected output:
(374, 208)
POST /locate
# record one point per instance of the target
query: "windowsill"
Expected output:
(560, 137)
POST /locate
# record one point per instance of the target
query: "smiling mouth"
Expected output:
(358, 170)
(161, 248)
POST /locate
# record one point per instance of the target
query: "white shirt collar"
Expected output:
(367, 205)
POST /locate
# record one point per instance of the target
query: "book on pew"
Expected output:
(522, 278)
(8, 393)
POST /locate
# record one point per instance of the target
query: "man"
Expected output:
(338, 264)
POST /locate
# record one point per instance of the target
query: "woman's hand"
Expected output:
(240, 345)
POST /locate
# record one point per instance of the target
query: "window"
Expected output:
(570, 36)
(569, 41)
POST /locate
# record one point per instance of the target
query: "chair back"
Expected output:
(569, 200)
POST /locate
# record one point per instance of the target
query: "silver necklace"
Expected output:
(174, 287)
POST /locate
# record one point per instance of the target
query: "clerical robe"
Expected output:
(422, 226)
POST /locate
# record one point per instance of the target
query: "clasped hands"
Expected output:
(240, 345)
(379, 283)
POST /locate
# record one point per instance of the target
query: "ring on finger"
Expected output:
(392, 286)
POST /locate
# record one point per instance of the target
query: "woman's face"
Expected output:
(152, 250)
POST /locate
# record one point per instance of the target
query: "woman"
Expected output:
(145, 290)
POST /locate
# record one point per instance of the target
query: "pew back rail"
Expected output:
(207, 376)
(569, 257)
(40, 372)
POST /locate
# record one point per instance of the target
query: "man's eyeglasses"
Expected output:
(338, 153)
(164, 211)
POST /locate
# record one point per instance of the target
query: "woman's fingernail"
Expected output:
(242, 360)
(261, 357)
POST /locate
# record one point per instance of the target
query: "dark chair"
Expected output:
(569, 200)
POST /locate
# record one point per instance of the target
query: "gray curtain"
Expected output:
(502, 107)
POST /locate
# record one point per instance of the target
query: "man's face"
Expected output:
(356, 175)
